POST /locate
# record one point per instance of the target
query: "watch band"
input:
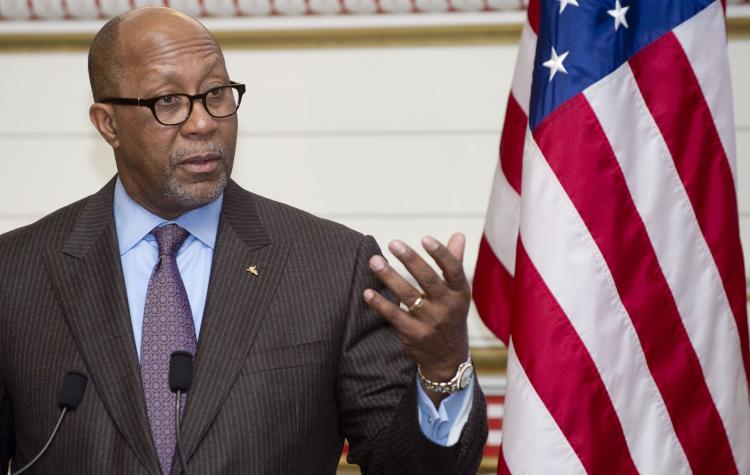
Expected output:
(459, 381)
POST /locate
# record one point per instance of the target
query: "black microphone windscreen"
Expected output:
(72, 390)
(180, 371)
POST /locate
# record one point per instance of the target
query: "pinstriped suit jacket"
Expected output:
(289, 362)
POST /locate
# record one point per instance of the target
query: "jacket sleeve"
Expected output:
(7, 438)
(377, 395)
(7, 432)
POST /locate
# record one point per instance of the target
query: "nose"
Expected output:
(200, 122)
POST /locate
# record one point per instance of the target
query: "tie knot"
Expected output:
(169, 238)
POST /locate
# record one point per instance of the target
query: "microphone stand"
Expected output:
(46, 446)
(180, 452)
(180, 380)
(68, 398)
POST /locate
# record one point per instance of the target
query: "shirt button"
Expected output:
(430, 419)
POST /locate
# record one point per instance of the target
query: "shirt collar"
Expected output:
(133, 222)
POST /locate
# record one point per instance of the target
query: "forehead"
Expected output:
(181, 53)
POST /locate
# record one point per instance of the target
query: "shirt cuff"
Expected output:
(443, 425)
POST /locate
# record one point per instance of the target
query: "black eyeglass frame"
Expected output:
(151, 102)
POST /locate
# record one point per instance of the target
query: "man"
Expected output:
(291, 356)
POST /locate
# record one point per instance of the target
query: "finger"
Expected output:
(448, 260)
(403, 290)
(424, 274)
(404, 323)
(456, 245)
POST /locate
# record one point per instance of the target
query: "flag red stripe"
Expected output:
(674, 98)
(558, 363)
(533, 15)
(493, 291)
(502, 467)
(511, 143)
(577, 149)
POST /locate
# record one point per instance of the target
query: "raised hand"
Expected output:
(433, 329)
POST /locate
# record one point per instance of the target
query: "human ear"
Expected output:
(103, 118)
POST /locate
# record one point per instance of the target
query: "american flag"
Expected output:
(611, 263)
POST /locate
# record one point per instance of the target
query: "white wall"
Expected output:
(395, 142)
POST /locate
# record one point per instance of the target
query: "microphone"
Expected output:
(180, 379)
(68, 399)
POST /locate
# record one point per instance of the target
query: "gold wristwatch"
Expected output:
(460, 381)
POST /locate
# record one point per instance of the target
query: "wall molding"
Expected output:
(318, 31)
(340, 31)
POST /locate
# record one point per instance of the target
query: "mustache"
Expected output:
(205, 148)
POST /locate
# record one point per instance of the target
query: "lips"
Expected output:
(200, 164)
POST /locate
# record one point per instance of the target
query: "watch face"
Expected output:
(465, 378)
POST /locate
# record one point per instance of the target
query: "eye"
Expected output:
(170, 100)
(216, 92)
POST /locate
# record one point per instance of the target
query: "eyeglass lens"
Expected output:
(175, 108)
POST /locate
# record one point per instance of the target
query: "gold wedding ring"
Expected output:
(417, 303)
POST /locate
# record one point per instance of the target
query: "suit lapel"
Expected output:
(87, 276)
(236, 304)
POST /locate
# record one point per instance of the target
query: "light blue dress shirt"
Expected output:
(139, 253)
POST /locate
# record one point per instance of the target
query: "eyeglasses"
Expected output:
(175, 109)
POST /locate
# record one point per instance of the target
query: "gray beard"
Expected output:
(183, 194)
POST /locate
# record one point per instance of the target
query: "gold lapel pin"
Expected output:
(252, 270)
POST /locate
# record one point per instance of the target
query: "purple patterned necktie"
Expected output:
(167, 327)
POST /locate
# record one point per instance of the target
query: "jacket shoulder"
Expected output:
(48, 232)
(287, 223)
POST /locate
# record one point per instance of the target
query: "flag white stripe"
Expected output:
(709, 59)
(501, 223)
(532, 440)
(521, 85)
(502, 220)
(681, 250)
(576, 273)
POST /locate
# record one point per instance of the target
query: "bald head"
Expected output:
(105, 61)
(116, 46)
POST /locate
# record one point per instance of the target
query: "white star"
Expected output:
(555, 63)
(564, 3)
(619, 15)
